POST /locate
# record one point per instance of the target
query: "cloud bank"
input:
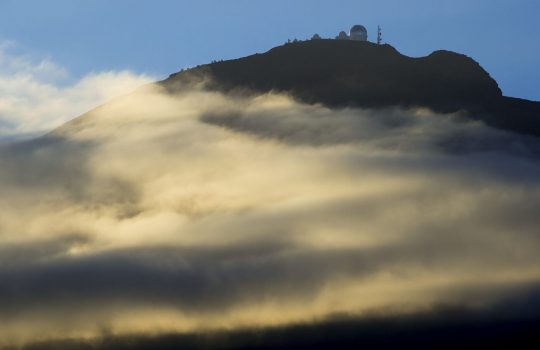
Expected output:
(38, 95)
(160, 212)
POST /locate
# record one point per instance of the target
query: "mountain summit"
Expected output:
(341, 73)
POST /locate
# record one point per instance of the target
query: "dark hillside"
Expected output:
(339, 73)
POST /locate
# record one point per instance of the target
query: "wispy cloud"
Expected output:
(36, 94)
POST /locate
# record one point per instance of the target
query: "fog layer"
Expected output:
(160, 212)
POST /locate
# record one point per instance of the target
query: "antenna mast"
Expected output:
(379, 35)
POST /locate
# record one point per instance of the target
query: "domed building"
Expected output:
(342, 36)
(359, 33)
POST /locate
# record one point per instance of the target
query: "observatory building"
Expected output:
(342, 36)
(358, 33)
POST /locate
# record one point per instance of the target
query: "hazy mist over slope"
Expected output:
(37, 94)
(160, 212)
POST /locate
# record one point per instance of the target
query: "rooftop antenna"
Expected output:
(379, 35)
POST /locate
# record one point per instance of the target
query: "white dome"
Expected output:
(358, 32)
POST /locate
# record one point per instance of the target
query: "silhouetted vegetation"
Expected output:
(446, 328)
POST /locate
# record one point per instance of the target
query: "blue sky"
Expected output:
(159, 37)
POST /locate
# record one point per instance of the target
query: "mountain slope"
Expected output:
(339, 73)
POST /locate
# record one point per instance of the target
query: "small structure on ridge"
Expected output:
(358, 32)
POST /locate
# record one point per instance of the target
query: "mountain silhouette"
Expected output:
(343, 73)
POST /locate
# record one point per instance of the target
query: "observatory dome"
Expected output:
(358, 32)
(342, 36)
